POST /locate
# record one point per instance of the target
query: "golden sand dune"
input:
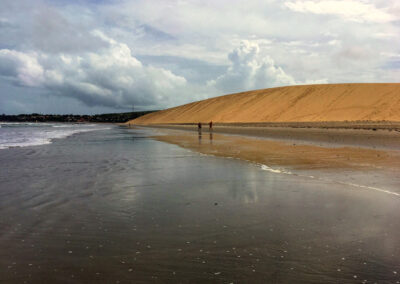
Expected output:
(308, 103)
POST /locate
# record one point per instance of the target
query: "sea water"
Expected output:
(15, 134)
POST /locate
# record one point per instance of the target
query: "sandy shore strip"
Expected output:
(359, 167)
(381, 136)
(278, 153)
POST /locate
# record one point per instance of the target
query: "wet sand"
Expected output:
(370, 135)
(120, 207)
(284, 153)
(291, 156)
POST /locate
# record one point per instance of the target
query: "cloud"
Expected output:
(357, 11)
(52, 32)
(111, 77)
(354, 53)
(250, 70)
(163, 53)
(20, 67)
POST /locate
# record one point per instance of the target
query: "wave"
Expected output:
(371, 187)
(23, 124)
(72, 125)
(35, 137)
(282, 171)
(44, 124)
(61, 126)
(277, 171)
(30, 142)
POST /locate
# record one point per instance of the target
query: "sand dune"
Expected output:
(308, 103)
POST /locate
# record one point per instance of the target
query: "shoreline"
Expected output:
(365, 125)
(356, 167)
(287, 154)
(381, 139)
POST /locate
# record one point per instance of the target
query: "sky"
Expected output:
(86, 57)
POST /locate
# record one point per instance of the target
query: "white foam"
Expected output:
(371, 187)
(278, 171)
(24, 135)
(281, 171)
(24, 124)
(31, 142)
(61, 126)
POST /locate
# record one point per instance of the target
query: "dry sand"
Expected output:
(308, 103)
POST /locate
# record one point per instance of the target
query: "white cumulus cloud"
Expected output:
(250, 70)
(111, 77)
(358, 11)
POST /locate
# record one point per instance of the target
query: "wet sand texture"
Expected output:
(114, 206)
(315, 135)
(284, 154)
(308, 103)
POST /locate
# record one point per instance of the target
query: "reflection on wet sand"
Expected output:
(119, 207)
(300, 156)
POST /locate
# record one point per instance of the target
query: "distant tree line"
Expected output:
(106, 117)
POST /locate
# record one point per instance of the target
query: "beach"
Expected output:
(175, 142)
(120, 206)
(373, 135)
(333, 154)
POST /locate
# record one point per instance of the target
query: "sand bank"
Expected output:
(308, 103)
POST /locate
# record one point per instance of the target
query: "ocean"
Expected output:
(14, 134)
(107, 204)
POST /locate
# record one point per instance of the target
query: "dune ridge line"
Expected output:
(305, 103)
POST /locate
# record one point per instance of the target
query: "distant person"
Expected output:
(210, 124)
(199, 129)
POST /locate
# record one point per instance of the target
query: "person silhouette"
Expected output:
(199, 130)
(210, 124)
